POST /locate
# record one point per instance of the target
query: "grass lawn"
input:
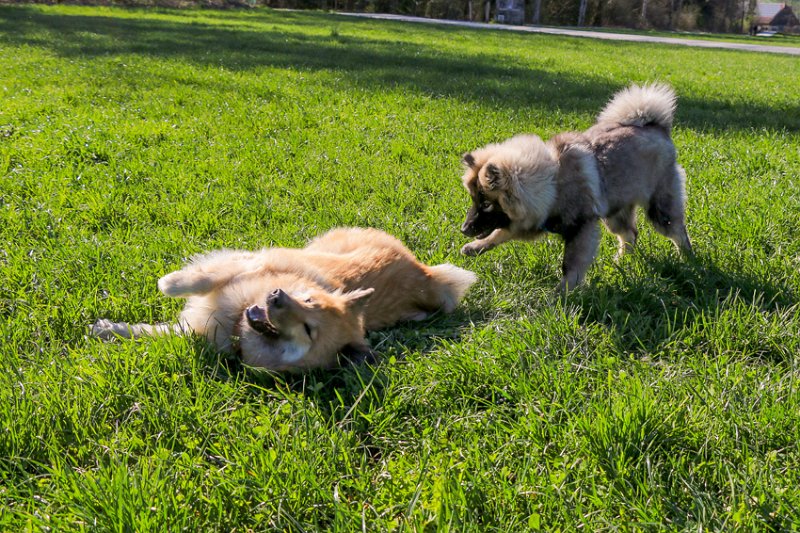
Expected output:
(664, 394)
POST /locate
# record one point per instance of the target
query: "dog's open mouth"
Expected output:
(257, 318)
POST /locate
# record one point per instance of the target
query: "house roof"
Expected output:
(768, 9)
(775, 14)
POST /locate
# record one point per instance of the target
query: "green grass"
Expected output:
(662, 395)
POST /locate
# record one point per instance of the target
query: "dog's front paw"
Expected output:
(107, 330)
(473, 248)
(173, 284)
(102, 329)
(182, 284)
(569, 283)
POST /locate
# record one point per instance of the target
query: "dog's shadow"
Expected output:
(340, 393)
(680, 303)
(347, 396)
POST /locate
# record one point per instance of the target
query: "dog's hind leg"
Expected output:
(623, 225)
(580, 248)
(667, 212)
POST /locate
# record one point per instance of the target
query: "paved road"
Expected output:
(591, 34)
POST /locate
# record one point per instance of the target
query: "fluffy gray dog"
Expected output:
(525, 187)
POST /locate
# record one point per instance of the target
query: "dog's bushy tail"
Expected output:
(642, 105)
(453, 283)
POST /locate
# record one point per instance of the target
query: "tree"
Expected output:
(675, 8)
(582, 13)
(537, 11)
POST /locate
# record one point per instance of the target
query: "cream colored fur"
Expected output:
(289, 309)
(641, 105)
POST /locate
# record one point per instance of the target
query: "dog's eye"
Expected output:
(307, 328)
(487, 206)
(308, 300)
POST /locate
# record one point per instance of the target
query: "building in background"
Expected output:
(510, 11)
(774, 17)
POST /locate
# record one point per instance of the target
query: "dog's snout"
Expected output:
(469, 228)
(471, 221)
(277, 298)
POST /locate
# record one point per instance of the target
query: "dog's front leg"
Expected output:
(580, 248)
(478, 246)
(107, 330)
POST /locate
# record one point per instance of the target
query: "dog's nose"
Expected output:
(277, 298)
(465, 229)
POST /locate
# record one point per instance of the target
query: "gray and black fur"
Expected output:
(524, 187)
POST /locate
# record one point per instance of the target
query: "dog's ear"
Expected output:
(468, 159)
(358, 298)
(357, 354)
(494, 177)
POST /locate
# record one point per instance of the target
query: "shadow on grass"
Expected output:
(333, 390)
(347, 396)
(694, 302)
(371, 63)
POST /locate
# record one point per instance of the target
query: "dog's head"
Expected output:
(304, 328)
(511, 185)
(486, 185)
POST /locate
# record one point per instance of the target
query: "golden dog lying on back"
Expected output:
(287, 309)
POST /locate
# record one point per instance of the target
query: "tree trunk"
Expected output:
(582, 13)
(675, 8)
(537, 11)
